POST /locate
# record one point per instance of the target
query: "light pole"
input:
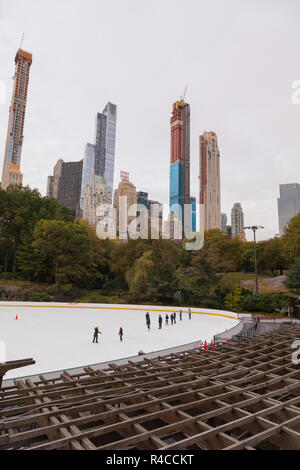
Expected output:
(254, 228)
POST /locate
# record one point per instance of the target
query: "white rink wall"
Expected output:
(58, 336)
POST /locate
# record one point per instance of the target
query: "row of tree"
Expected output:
(40, 241)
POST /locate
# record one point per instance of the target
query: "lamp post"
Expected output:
(254, 229)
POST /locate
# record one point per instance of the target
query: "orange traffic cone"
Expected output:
(212, 344)
(205, 346)
(17, 317)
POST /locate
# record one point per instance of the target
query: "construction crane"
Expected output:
(21, 45)
(184, 94)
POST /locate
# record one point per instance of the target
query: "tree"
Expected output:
(233, 300)
(271, 255)
(293, 278)
(20, 209)
(222, 252)
(199, 280)
(291, 240)
(139, 276)
(60, 252)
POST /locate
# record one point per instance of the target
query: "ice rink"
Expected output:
(59, 336)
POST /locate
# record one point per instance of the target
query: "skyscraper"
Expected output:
(237, 221)
(88, 169)
(106, 123)
(97, 193)
(223, 222)
(99, 158)
(180, 162)
(54, 181)
(70, 186)
(288, 204)
(153, 211)
(210, 194)
(65, 184)
(125, 196)
(11, 173)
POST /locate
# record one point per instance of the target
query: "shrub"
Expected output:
(38, 297)
(267, 303)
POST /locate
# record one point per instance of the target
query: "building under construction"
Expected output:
(180, 166)
(11, 173)
(233, 396)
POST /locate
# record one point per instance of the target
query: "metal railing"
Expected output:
(247, 332)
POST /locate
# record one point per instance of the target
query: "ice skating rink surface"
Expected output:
(59, 336)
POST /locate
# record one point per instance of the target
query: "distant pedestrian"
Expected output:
(180, 314)
(172, 319)
(121, 334)
(96, 334)
(190, 314)
(174, 316)
(167, 319)
(148, 321)
(160, 320)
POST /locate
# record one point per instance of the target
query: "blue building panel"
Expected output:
(193, 214)
(176, 180)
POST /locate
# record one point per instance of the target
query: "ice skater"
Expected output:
(190, 314)
(167, 319)
(174, 316)
(148, 321)
(180, 314)
(160, 320)
(121, 334)
(96, 334)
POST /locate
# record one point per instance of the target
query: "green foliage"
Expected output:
(293, 279)
(266, 303)
(233, 300)
(60, 252)
(20, 209)
(291, 240)
(38, 297)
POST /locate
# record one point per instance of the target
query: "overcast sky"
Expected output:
(238, 57)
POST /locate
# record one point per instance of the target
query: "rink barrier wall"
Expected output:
(117, 307)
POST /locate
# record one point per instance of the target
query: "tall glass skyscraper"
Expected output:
(88, 169)
(99, 158)
(180, 163)
(288, 204)
(106, 125)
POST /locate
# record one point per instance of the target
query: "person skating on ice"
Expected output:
(190, 314)
(180, 315)
(160, 320)
(167, 319)
(96, 334)
(121, 334)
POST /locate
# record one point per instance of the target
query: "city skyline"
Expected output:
(244, 108)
